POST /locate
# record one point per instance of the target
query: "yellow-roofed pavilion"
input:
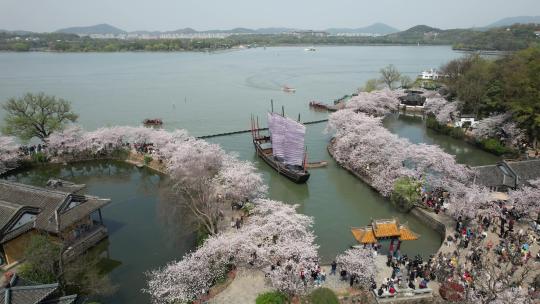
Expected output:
(383, 229)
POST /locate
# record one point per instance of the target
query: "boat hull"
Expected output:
(295, 176)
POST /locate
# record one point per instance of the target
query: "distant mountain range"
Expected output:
(376, 28)
(103, 29)
(514, 20)
(94, 29)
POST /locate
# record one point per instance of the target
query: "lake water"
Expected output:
(214, 93)
(204, 92)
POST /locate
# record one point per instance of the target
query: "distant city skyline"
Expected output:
(164, 15)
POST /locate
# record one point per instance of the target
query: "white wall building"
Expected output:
(471, 120)
(430, 75)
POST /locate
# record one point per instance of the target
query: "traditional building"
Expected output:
(18, 291)
(381, 230)
(74, 220)
(413, 98)
(507, 174)
(429, 75)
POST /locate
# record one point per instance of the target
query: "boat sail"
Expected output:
(283, 149)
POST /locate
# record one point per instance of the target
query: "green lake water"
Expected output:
(215, 93)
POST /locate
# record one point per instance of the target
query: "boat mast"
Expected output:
(258, 135)
(305, 160)
(251, 126)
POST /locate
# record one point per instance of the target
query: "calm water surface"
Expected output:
(214, 93)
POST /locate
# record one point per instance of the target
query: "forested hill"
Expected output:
(511, 38)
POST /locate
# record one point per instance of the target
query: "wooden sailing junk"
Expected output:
(283, 148)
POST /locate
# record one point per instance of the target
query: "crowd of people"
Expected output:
(436, 200)
(407, 275)
(488, 240)
(317, 276)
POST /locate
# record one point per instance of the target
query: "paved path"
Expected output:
(248, 284)
(244, 289)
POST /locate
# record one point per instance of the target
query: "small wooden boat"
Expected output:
(288, 89)
(319, 164)
(293, 162)
(153, 122)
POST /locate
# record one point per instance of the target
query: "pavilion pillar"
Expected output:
(100, 217)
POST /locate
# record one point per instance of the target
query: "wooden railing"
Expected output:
(84, 242)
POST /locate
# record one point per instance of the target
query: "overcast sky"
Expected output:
(50, 15)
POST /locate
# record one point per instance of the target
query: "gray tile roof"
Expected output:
(27, 294)
(526, 170)
(52, 206)
(489, 176)
(7, 211)
(62, 300)
(502, 174)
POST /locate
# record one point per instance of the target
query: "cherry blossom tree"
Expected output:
(275, 239)
(434, 105)
(360, 263)
(203, 174)
(376, 103)
(526, 200)
(448, 113)
(469, 201)
(500, 127)
(363, 145)
(443, 110)
(488, 127)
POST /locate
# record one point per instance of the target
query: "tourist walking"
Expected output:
(334, 267)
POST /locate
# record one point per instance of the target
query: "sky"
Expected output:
(130, 15)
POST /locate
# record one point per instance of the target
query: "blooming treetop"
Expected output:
(443, 110)
(360, 263)
(469, 201)
(365, 146)
(500, 127)
(376, 103)
(527, 199)
(275, 239)
(202, 173)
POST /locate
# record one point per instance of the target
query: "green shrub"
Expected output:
(248, 207)
(36, 274)
(494, 146)
(39, 157)
(202, 236)
(273, 297)
(432, 123)
(147, 159)
(457, 133)
(406, 193)
(323, 296)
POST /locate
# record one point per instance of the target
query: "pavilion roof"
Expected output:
(364, 235)
(385, 228)
(382, 229)
(405, 234)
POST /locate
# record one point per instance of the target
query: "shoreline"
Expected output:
(237, 48)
